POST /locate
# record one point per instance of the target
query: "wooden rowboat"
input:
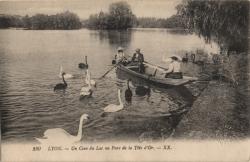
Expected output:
(154, 75)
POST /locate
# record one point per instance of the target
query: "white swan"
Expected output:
(60, 136)
(66, 76)
(115, 108)
(88, 79)
(86, 91)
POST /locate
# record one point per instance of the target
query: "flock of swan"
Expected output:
(59, 135)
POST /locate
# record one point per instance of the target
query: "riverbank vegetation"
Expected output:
(175, 21)
(225, 113)
(61, 21)
(225, 22)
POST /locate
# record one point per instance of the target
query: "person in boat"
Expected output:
(174, 69)
(138, 59)
(120, 56)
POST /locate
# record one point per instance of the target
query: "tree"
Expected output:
(120, 16)
(225, 22)
(92, 22)
(26, 22)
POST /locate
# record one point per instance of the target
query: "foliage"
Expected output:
(175, 21)
(7, 21)
(119, 16)
(66, 21)
(226, 22)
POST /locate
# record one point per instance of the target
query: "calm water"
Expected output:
(29, 68)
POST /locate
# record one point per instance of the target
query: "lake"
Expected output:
(29, 67)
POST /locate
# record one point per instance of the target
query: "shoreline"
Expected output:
(221, 111)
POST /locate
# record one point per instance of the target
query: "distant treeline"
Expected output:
(64, 21)
(120, 16)
(7, 21)
(175, 21)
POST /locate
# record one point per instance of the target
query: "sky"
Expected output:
(83, 8)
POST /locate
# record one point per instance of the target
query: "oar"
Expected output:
(155, 66)
(109, 70)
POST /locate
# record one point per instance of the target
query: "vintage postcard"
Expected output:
(124, 80)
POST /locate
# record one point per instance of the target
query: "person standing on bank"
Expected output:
(138, 58)
(174, 69)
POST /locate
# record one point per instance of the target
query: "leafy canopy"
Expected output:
(225, 22)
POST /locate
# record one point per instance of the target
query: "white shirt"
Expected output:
(174, 67)
(119, 56)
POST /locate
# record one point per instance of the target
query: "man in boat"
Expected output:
(138, 59)
(174, 69)
(120, 56)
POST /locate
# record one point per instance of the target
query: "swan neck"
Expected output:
(86, 60)
(89, 84)
(64, 80)
(128, 84)
(119, 97)
(88, 76)
(79, 134)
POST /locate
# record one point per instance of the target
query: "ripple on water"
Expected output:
(29, 105)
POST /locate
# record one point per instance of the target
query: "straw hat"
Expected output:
(120, 49)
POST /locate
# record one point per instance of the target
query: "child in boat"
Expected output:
(174, 69)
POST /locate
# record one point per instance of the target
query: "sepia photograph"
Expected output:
(124, 80)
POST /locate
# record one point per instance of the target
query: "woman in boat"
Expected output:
(120, 56)
(138, 59)
(174, 69)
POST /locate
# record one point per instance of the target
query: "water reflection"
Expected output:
(128, 92)
(143, 90)
(163, 30)
(116, 38)
(179, 95)
(4, 86)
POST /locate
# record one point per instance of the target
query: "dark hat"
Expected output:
(138, 50)
(174, 58)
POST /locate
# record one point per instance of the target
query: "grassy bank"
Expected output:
(222, 108)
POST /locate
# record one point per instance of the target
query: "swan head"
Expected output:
(85, 117)
(63, 73)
